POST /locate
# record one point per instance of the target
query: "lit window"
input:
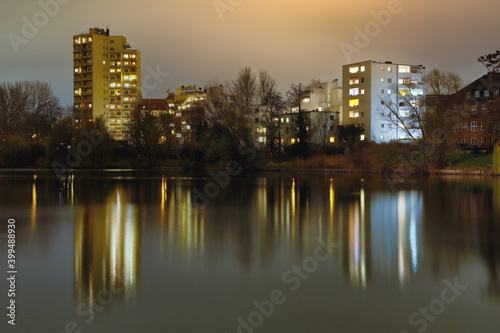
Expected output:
(404, 69)
(382, 80)
(125, 56)
(353, 103)
(362, 137)
(382, 68)
(353, 69)
(389, 91)
(332, 139)
(389, 69)
(362, 68)
(353, 114)
(362, 91)
(354, 81)
(354, 92)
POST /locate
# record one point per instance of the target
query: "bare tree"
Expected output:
(441, 110)
(222, 113)
(314, 82)
(295, 97)
(145, 131)
(272, 112)
(491, 61)
(28, 108)
(267, 87)
(406, 113)
(245, 89)
(321, 129)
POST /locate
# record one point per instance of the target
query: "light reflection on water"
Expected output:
(143, 232)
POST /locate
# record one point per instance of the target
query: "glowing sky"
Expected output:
(294, 40)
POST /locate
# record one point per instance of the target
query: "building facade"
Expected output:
(370, 87)
(107, 80)
(479, 124)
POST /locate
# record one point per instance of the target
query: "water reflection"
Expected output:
(428, 227)
(107, 247)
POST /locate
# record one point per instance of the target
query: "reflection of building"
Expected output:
(368, 85)
(107, 80)
(107, 248)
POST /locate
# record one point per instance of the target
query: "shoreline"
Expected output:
(285, 170)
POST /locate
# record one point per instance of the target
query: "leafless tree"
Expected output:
(271, 120)
(245, 88)
(321, 129)
(28, 108)
(442, 106)
(267, 87)
(407, 113)
(222, 113)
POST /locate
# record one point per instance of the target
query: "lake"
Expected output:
(154, 251)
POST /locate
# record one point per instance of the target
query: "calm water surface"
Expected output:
(136, 252)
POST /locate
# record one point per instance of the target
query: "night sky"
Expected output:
(294, 40)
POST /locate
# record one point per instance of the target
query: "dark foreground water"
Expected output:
(156, 252)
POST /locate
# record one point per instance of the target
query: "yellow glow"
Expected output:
(332, 139)
(353, 69)
(353, 102)
(33, 206)
(293, 141)
(362, 137)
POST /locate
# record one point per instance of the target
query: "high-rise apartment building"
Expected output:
(107, 80)
(369, 85)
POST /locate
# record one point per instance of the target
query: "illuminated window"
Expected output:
(362, 68)
(362, 91)
(332, 139)
(353, 114)
(382, 80)
(354, 81)
(353, 103)
(125, 56)
(389, 91)
(389, 69)
(354, 92)
(292, 141)
(362, 137)
(382, 68)
(404, 69)
(353, 69)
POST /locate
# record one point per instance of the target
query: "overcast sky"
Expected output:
(295, 40)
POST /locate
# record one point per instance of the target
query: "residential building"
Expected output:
(107, 80)
(479, 123)
(326, 96)
(369, 85)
